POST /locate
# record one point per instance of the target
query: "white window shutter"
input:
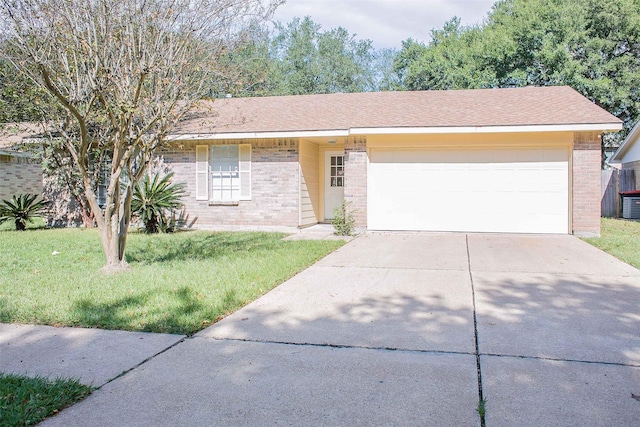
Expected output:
(202, 172)
(244, 163)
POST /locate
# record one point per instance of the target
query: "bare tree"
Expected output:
(125, 72)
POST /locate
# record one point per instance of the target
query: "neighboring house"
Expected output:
(628, 154)
(521, 160)
(20, 172)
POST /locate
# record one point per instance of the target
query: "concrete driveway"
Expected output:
(407, 329)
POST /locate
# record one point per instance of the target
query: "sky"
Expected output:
(386, 22)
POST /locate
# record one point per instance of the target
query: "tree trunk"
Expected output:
(114, 241)
(87, 218)
(113, 233)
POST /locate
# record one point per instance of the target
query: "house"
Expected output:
(20, 172)
(518, 160)
(627, 156)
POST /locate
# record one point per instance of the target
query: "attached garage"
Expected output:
(516, 160)
(467, 187)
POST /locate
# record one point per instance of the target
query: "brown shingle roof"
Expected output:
(560, 105)
(12, 134)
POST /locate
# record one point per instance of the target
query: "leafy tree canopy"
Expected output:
(300, 58)
(590, 45)
(122, 73)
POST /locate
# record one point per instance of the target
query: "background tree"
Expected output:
(124, 72)
(590, 45)
(309, 60)
(384, 73)
(20, 99)
(299, 58)
(249, 67)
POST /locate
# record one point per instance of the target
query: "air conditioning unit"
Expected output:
(631, 207)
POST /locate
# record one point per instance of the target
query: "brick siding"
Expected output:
(19, 175)
(355, 171)
(586, 183)
(274, 185)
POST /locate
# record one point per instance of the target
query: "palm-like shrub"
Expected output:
(22, 209)
(155, 202)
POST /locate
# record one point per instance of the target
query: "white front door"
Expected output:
(333, 181)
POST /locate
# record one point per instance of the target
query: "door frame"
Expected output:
(326, 171)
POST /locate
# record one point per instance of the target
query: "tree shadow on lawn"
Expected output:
(199, 246)
(187, 314)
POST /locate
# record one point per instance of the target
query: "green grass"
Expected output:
(178, 283)
(35, 224)
(620, 238)
(25, 401)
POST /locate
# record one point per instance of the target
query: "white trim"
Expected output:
(256, 135)
(399, 131)
(486, 129)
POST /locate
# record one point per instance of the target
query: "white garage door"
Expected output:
(518, 190)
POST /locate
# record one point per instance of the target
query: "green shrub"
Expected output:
(21, 209)
(156, 203)
(344, 223)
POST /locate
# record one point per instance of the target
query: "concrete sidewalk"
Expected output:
(383, 332)
(92, 356)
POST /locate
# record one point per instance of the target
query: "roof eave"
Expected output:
(13, 153)
(600, 127)
(259, 135)
(626, 144)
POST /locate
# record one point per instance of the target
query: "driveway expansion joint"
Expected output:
(340, 346)
(557, 359)
(481, 398)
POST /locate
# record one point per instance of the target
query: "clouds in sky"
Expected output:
(386, 22)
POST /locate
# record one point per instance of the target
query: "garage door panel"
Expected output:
(501, 190)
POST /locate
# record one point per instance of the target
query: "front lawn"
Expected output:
(178, 283)
(25, 401)
(620, 238)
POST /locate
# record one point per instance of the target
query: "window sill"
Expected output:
(224, 203)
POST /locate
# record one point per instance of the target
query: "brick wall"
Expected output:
(274, 185)
(19, 175)
(586, 183)
(355, 170)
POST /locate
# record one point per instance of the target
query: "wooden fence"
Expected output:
(613, 182)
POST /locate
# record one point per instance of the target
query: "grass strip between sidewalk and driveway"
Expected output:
(178, 283)
(620, 238)
(25, 401)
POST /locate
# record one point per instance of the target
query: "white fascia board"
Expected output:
(397, 131)
(259, 135)
(626, 144)
(488, 129)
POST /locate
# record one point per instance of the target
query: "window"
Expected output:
(337, 171)
(223, 172)
(103, 183)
